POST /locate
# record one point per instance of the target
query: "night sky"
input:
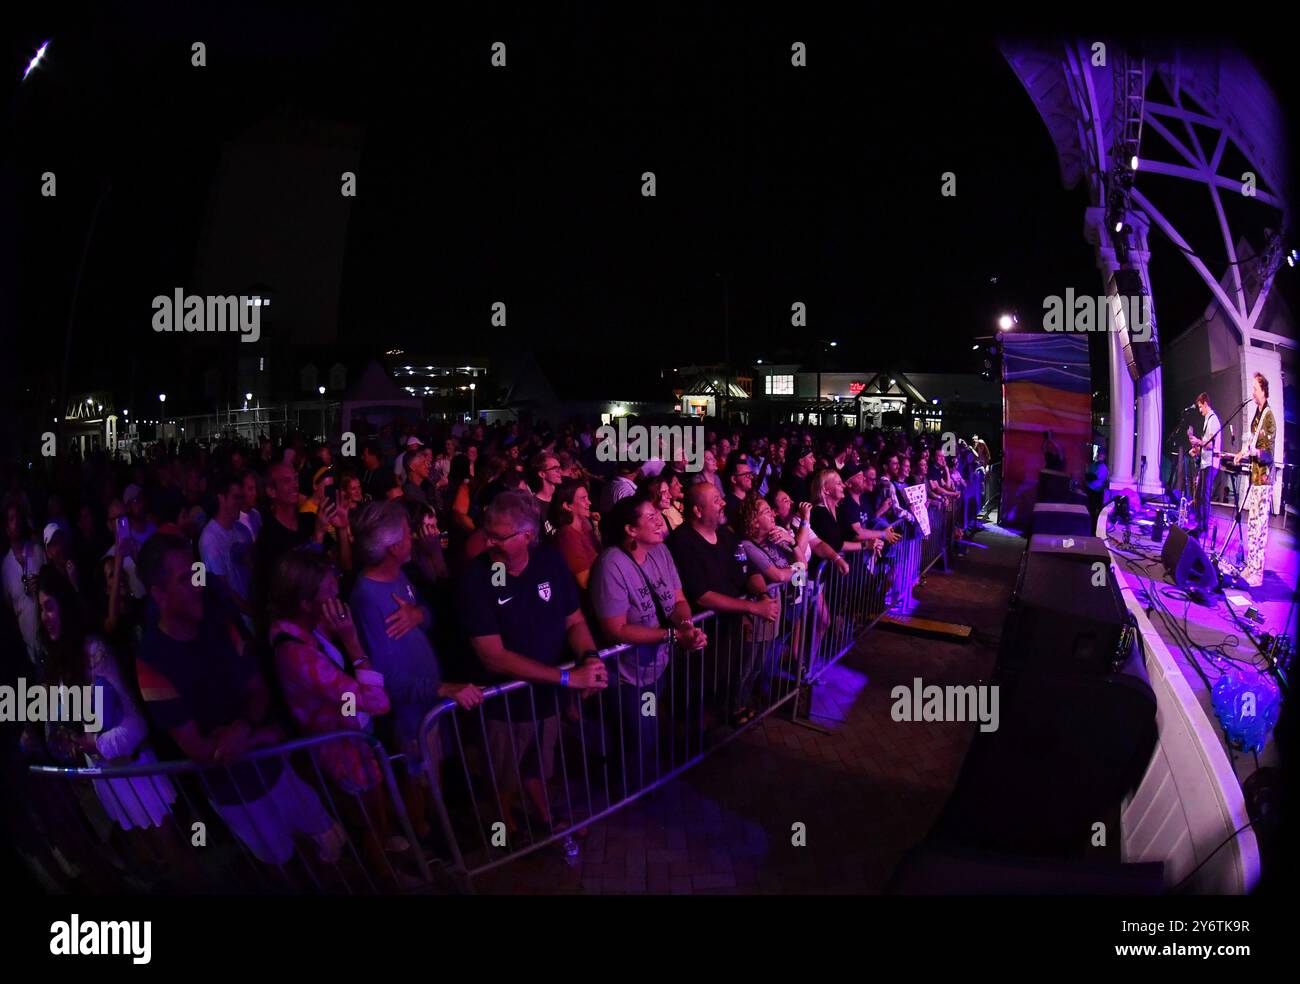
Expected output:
(477, 184)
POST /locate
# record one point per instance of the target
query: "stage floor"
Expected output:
(1204, 636)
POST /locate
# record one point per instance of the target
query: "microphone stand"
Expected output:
(1216, 557)
(1172, 442)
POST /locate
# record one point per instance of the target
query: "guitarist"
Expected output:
(1259, 500)
(1205, 448)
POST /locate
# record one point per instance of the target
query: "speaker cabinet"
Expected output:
(1066, 518)
(1129, 299)
(1187, 562)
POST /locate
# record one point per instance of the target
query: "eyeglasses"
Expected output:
(496, 541)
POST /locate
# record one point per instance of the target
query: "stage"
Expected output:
(1192, 799)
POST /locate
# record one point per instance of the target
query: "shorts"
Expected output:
(512, 746)
(268, 824)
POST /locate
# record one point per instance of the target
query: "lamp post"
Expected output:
(473, 408)
(321, 391)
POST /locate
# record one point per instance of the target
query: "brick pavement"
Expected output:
(865, 793)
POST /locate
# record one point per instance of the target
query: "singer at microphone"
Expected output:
(1205, 451)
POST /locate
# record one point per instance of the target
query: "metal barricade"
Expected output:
(243, 826)
(533, 763)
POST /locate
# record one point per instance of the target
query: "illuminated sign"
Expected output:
(856, 388)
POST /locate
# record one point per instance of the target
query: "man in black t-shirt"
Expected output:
(519, 608)
(715, 574)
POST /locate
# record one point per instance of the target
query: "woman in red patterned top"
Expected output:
(327, 681)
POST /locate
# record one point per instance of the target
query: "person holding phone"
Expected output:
(125, 549)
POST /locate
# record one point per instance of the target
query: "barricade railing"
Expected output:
(324, 813)
(528, 768)
(943, 528)
(847, 604)
(533, 765)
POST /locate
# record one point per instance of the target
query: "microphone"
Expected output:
(1190, 408)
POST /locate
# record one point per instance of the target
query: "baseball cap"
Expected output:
(806, 451)
(48, 533)
(849, 471)
(414, 442)
(132, 493)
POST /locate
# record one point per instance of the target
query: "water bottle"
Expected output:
(572, 853)
(1182, 511)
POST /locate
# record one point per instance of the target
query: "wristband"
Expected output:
(564, 678)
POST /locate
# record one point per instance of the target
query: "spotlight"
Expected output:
(1005, 322)
(36, 60)
(1119, 226)
(1134, 162)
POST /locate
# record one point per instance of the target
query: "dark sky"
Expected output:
(818, 184)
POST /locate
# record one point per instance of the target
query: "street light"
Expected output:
(473, 411)
(1005, 322)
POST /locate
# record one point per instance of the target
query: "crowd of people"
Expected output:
(231, 597)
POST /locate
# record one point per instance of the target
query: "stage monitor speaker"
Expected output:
(1184, 558)
(1087, 549)
(1065, 755)
(1063, 618)
(1066, 518)
(1129, 299)
(1053, 486)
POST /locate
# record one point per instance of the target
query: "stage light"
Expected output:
(162, 397)
(1119, 226)
(36, 60)
(1134, 162)
(1005, 322)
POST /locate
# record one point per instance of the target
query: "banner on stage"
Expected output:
(916, 502)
